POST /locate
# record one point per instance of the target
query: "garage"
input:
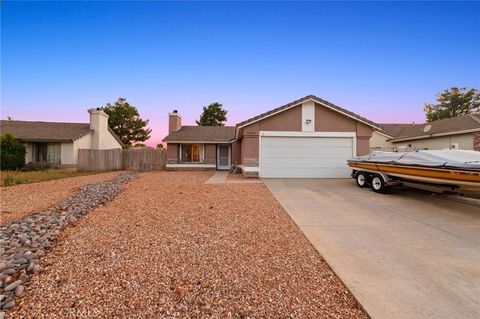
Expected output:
(306, 155)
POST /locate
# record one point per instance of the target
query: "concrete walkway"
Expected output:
(403, 255)
(221, 177)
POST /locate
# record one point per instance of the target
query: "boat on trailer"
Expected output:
(449, 171)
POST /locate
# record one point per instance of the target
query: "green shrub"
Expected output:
(10, 181)
(12, 153)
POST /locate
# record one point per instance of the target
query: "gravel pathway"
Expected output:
(18, 201)
(170, 246)
(23, 241)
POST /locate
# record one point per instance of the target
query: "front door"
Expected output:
(223, 157)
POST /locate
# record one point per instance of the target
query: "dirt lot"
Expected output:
(20, 200)
(171, 246)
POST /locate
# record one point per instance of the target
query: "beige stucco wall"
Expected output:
(101, 138)
(379, 142)
(67, 154)
(108, 141)
(465, 142)
(84, 142)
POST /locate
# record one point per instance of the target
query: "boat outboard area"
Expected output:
(456, 171)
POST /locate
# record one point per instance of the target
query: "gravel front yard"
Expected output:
(171, 246)
(20, 200)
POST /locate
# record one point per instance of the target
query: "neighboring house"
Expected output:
(58, 143)
(462, 132)
(309, 137)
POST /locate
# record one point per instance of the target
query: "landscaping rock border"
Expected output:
(24, 241)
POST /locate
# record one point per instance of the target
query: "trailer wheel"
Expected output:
(378, 184)
(361, 179)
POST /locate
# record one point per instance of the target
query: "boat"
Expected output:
(451, 170)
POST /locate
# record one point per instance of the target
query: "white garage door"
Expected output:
(305, 157)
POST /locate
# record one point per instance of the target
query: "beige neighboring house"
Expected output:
(307, 138)
(59, 143)
(462, 132)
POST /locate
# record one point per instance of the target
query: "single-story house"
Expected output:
(462, 132)
(58, 143)
(309, 137)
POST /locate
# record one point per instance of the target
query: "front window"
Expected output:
(190, 153)
(47, 152)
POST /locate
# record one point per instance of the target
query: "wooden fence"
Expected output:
(144, 159)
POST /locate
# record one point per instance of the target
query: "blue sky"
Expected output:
(382, 60)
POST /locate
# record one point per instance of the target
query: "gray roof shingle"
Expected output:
(450, 125)
(45, 131)
(202, 134)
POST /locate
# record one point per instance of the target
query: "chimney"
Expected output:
(174, 121)
(99, 126)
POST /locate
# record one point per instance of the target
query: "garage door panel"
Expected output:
(305, 157)
(303, 162)
(307, 141)
(295, 153)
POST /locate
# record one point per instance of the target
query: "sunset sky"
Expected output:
(382, 60)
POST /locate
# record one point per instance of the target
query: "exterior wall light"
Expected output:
(308, 121)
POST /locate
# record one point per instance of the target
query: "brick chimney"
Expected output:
(174, 121)
(99, 125)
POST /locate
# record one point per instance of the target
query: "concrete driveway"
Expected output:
(409, 254)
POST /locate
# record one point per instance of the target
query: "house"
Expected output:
(58, 143)
(309, 137)
(462, 132)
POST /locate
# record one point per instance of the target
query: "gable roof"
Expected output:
(304, 99)
(36, 131)
(204, 134)
(45, 131)
(400, 129)
(450, 126)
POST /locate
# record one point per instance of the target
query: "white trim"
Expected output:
(191, 165)
(473, 130)
(261, 134)
(308, 114)
(307, 134)
(310, 99)
(249, 168)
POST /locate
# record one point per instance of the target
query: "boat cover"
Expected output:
(460, 159)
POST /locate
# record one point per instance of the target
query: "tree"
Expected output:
(213, 115)
(125, 121)
(159, 146)
(452, 103)
(12, 153)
